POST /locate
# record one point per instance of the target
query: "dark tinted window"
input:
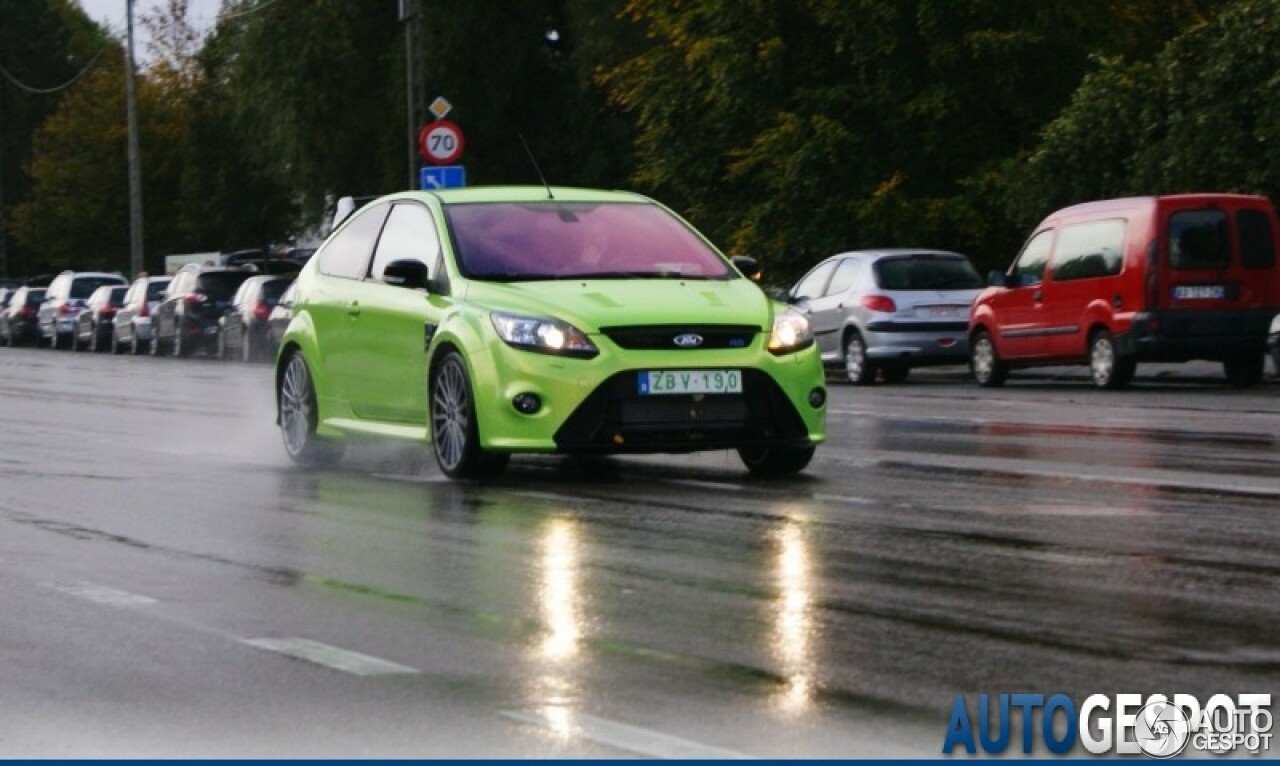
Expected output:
(410, 234)
(117, 295)
(1257, 241)
(35, 297)
(271, 291)
(347, 253)
(83, 287)
(1085, 250)
(556, 240)
(155, 290)
(221, 285)
(925, 272)
(1198, 240)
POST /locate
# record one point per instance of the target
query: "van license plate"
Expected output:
(691, 382)
(1199, 292)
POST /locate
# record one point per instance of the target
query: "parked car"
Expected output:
(95, 325)
(495, 320)
(886, 311)
(64, 299)
(186, 321)
(1117, 282)
(281, 316)
(133, 318)
(19, 322)
(244, 326)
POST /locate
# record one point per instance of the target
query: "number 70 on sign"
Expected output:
(440, 142)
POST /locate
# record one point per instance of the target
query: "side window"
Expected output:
(1085, 250)
(1198, 240)
(843, 278)
(410, 234)
(814, 284)
(1028, 270)
(1257, 240)
(347, 252)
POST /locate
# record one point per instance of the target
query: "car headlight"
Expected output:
(545, 335)
(790, 333)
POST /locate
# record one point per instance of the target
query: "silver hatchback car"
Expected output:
(882, 312)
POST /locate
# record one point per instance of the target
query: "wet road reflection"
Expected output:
(555, 652)
(796, 631)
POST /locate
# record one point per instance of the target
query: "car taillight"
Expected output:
(66, 309)
(195, 299)
(145, 311)
(107, 311)
(261, 310)
(27, 311)
(882, 303)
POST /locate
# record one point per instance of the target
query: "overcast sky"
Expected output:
(111, 14)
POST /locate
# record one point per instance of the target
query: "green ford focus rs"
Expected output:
(495, 320)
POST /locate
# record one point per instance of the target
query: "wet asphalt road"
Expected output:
(171, 586)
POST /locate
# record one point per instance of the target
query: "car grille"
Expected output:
(617, 418)
(664, 337)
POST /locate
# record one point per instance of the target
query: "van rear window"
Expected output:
(1198, 240)
(1257, 241)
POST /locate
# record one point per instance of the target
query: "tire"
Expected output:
(247, 352)
(857, 368)
(1108, 368)
(116, 346)
(222, 347)
(1245, 370)
(298, 415)
(455, 437)
(985, 363)
(896, 373)
(774, 460)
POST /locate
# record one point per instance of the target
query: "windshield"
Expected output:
(508, 241)
(273, 289)
(926, 272)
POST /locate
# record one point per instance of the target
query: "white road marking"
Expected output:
(101, 594)
(331, 656)
(822, 497)
(622, 736)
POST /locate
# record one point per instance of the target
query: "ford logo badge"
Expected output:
(688, 340)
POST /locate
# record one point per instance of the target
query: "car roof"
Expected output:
(472, 194)
(884, 252)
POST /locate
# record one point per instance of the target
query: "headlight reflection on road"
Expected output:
(560, 603)
(794, 626)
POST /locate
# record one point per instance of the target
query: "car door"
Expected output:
(336, 298)
(1081, 285)
(828, 312)
(807, 297)
(395, 324)
(1022, 318)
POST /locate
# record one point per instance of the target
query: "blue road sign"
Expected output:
(442, 177)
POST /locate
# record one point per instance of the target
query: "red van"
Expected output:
(1117, 282)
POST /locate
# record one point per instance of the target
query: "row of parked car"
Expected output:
(233, 312)
(1108, 284)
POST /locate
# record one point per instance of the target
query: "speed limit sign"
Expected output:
(440, 142)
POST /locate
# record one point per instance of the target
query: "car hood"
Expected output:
(590, 304)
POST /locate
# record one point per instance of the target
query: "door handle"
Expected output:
(1037, 296)
(353, 308)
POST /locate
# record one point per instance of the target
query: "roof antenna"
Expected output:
(534, 161)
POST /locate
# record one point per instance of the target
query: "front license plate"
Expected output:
(691, 382)
(1199, 292)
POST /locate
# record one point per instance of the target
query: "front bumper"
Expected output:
(594, 405)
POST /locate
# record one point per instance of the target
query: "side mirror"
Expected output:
(997, 278)
(407, 273)
(749, 267)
